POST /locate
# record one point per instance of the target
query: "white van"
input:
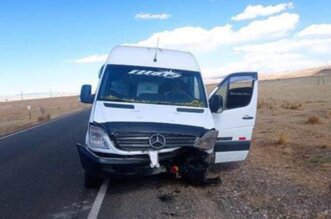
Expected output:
(151, 114)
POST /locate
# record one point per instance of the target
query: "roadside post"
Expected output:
(29, 111)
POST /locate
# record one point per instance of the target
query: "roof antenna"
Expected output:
(157, 46)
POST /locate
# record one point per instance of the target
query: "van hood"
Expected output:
(105, 112)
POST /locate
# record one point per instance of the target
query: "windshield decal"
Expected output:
(163, 73)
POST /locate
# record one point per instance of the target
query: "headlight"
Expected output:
(98, 138)
(207, 141)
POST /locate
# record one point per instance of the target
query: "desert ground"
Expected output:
(14, 115)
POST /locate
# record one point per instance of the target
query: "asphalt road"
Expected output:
(40, 172)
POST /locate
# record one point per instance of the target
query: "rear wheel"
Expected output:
(92, 181)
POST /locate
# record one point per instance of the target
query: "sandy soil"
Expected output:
(15, 116)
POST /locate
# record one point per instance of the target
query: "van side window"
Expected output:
(236, 92)
(240, 91)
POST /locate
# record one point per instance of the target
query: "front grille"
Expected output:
(140, 141)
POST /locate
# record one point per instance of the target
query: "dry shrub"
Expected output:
(287, 150)
(291, 106)
(44, 117)
(323, 146)
(295, 106)
(282, 139)
(269, 104)
(319, 159)
(312, 120)
(260, 104)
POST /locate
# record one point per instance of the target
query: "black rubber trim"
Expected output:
(162, 156)
(232, 146)
(151, 127)
(87, 155)
(115, 105)
(190, 110)
(224, 139)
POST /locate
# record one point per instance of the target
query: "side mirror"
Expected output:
(216, 103)
(85, 94)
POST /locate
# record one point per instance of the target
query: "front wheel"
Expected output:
(92, 181)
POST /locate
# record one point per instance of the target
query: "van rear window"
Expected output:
(136, 84)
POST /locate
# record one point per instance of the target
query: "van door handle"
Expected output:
(247, 117)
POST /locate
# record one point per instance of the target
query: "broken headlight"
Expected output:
(98, 138)
(207, 141)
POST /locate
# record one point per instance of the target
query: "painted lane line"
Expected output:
(42, 124)
(98, 200)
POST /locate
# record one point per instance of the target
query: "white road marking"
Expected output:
(36, 126)
(98, 200)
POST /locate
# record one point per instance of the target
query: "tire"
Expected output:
(92, 181)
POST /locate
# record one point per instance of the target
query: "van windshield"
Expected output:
(136, 84)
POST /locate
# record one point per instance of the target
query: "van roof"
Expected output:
(144, 56)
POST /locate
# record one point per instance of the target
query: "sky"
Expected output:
(59, 45)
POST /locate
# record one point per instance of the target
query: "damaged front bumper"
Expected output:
(104, 165)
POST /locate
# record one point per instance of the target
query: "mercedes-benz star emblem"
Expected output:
(157, 141)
